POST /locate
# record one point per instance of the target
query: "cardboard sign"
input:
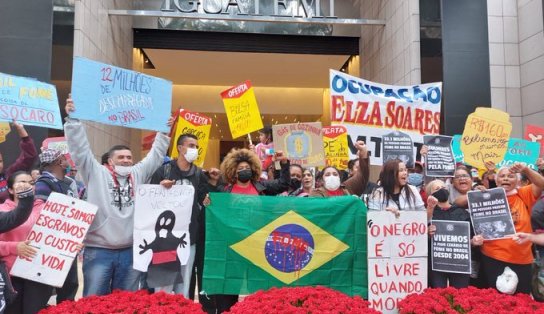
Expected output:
(193, 123)
(301, 142)
(456, 149)
(242, 109)
(161, 230)
(398, 145)
(370, 110)
(534, 133)
(440, 161)
(111, 95)
(397, 257)
(522, 151)
(490, 213)
(4, 131)
(450, 247)
(485, 137)
(335, 141)
(61, 226)
(29, 102)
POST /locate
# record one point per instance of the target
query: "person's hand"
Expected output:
(490, 166)
(19, 128)
(252, 147)
(79, 247)
(432, 230)
(171, 121)
(279, 156)
(362, 149)
(24, 250)
(431, 202)
(394, 210)
(540, 163)
(477, 240)
(522, 237)
(424, 150)
(207, 201)
(21, 187)
(70, 107)
(167, 183)
(480, 188)
(518, 168)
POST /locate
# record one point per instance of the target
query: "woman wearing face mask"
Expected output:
(295, 184)
(498, 254)
(394, 193)
(330, 184)
(438, 208)
(241, 170)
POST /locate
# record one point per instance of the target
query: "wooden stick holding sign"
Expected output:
(242, 110)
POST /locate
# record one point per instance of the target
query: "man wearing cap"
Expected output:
(53, 164)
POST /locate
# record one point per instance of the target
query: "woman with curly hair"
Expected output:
(241, 171)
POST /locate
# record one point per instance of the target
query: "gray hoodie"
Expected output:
(113, 225)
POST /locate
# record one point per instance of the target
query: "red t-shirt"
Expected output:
(338, 192)
(248, 190)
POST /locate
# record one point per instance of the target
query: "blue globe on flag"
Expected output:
(289, 248)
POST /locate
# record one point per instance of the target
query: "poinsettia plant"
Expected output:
(468, 300)
(301, 300)
(140, 302)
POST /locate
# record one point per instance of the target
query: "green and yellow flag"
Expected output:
(258, 242)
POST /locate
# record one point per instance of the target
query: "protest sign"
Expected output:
(450, 247)
(335, 141)
(534, 133)
(485, 137)
(111, 95)
(456, 149)
(522, 151)
(242, 109)
(302, 143)
(56, 235)
(440, 161)
(369, 110)
(29, 102)
(161, 230)
(4, 130)
(398, 145)
(196, 124)
(490, 213)
(397, 257)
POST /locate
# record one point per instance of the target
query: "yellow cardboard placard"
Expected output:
(197, 124)
(242, 109)
(335, 142)
(485, 137)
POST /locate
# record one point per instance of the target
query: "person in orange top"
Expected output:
(497, 254)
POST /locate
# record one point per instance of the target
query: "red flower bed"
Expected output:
(140, 302)
(301, 300)
(468, 300)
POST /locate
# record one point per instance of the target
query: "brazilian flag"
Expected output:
(258, 242)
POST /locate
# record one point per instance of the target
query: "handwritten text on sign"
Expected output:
(242, 110)
(397, 257)
(369, 110)
(29, 101)
(121, 97)
(301, 142)
(60, 228)
(335, 140)
(196, 124)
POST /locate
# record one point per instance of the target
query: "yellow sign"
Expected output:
(193, 123)
(335, 142)
(4, 130)
(325, 246)
(242, 109)
(485, 137)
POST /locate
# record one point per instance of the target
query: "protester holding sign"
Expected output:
(107, 260)
(31, 296)
(439, 208)
(394, 194)
(498, 254)
(24, 161)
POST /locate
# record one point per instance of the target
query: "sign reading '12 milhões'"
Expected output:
(116, 96)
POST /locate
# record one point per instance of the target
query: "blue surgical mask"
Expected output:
(415, 179)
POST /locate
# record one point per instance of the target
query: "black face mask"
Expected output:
(245, 175)
(295, 183)
(442, 195)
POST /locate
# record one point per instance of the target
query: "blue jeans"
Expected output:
(105, 270)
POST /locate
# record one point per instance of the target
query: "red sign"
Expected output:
(534, 133)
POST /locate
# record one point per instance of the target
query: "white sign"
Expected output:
(370, 110)
(161, 225)
(397, 257)
(56, 235)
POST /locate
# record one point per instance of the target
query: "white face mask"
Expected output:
(332, 183)
(122, 171)
(191, 154)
